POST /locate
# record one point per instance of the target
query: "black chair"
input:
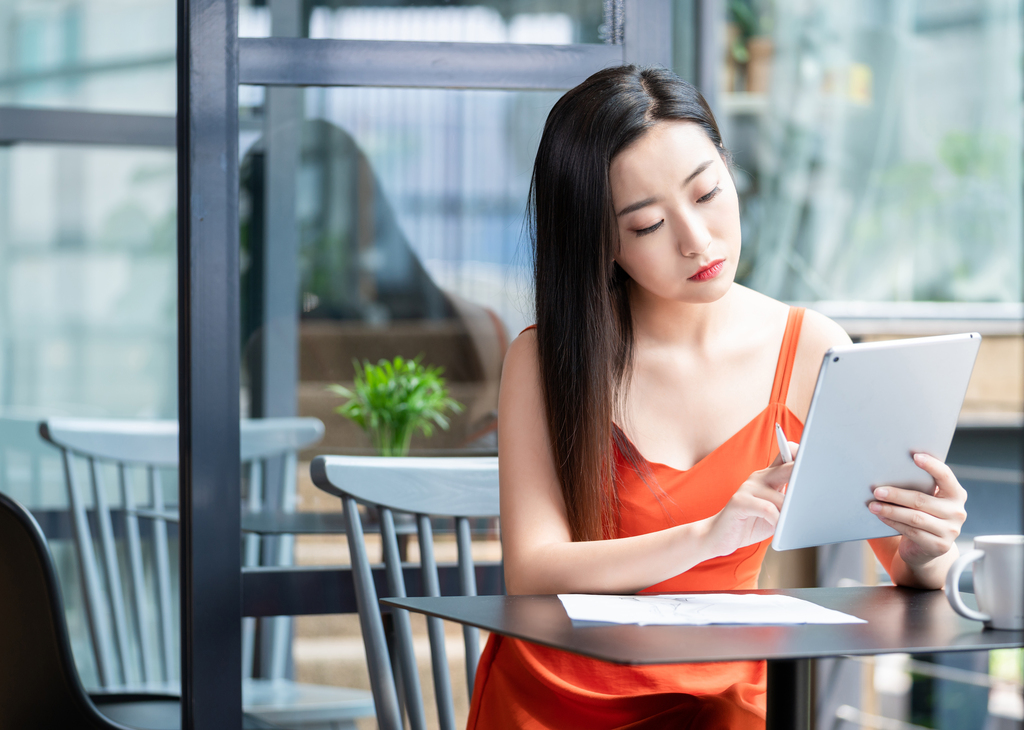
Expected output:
(39, 685)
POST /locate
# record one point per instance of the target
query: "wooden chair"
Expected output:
(39, 684)
(458, 487)
(128, 583)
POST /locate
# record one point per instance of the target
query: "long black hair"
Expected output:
(584, 324)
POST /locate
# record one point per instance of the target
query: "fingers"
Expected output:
(768, 494)
(793, 448)
(927, 543)
(759, 503)
(776, 476)
(930, 524)
(944, 508)
(915, 521)
(754, 497)
(944, 478)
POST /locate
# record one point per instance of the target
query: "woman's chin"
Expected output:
(686, 292)
(706, 292)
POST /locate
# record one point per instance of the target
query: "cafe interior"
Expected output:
(222, 222)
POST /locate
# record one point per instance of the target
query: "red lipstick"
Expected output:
(709, 272)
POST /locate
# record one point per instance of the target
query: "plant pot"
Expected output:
(730, 69)
(759, 67)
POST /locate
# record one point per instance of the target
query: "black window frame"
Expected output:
(212, 61)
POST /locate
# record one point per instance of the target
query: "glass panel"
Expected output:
(484, 21)
(87, 240)
(878, 155)
(877, 148)
(88, 271)
(100, 55)
(375, 223)
(409, 238)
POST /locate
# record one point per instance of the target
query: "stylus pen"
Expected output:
(787, 455)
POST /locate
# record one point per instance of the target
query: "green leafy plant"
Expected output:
(741, 12)
(391, 400)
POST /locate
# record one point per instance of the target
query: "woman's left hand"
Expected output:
(928, 523)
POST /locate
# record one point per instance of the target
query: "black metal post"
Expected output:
(789, 695)
(208, 364)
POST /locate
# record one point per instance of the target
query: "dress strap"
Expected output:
(529, 327)
(783, 371)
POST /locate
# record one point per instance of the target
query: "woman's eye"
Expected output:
(651, 229)
(709, 196)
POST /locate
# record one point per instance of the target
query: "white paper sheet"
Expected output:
(700, 609)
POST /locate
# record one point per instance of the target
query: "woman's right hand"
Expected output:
(753, 511)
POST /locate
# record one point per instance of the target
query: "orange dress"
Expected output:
(523, 685)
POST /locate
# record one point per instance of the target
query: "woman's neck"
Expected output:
(663, 322)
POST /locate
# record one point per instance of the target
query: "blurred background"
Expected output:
(878, 154)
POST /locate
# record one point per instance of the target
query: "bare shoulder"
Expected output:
(817, 334)
(520, 400)
(521, 358)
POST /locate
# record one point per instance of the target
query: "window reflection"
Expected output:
(409, 217)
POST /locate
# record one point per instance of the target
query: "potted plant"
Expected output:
(749, 53)
(392, 400)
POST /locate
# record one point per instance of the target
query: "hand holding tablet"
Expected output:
(930, 522)
(875, 406)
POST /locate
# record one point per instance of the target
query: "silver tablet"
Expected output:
(875, 404)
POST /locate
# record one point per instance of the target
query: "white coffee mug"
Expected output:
(998, 581)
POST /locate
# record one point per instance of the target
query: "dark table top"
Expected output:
(898, 620)
(306, 523)
(294, 523)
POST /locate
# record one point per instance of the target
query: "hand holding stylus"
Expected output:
(753, 511)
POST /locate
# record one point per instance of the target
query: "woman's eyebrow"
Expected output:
(697, 171)
(636, 206)
(647, 201)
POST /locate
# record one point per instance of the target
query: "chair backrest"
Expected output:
(135, 641)
(39, 686)
(458, 487)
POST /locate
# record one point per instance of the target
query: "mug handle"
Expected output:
(953, 586)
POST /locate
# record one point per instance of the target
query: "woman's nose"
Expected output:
(692, 236)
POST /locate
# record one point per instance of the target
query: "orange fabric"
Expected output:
(520, 685)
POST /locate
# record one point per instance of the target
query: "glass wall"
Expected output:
(87, 251)
(98, 55)
(877, 147)
(877, 150)
(87, 233)
(408, 221)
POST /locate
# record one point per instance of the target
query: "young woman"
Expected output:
(636, 421)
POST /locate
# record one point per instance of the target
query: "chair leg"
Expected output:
(388, 619)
